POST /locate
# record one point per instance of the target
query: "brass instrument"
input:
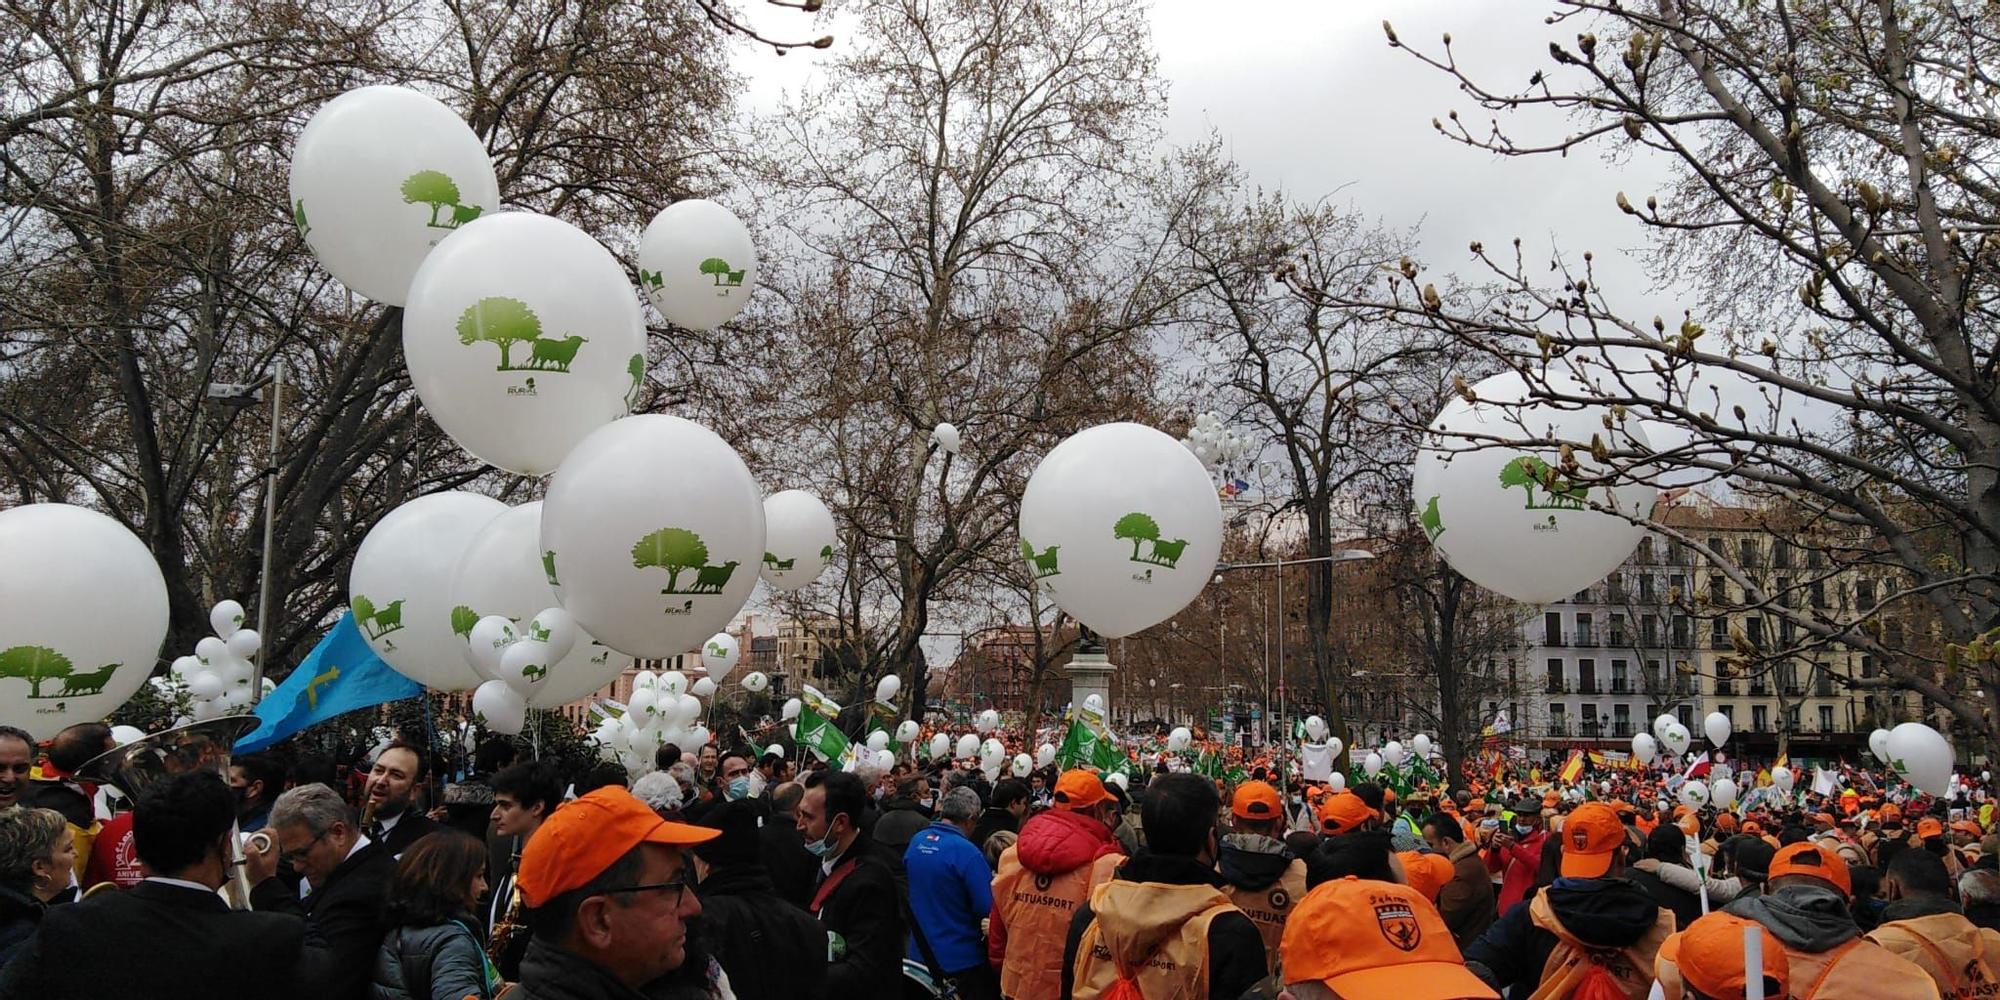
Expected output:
(199, 746)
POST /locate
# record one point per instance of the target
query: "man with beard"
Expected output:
(392, 787)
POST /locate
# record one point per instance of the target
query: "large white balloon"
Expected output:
(719, 653)
(1921, 756)
(1421, 746)
(1722, 791)
(878, 740)
(798, 542)
(1121, 527)
(1045, 755)
(703, 688)
(1878, 744)
(697, 264)
(940, 746)
(1022, 765)
(501, 706)
(505, 573)
(1506, 517)
(1693, 794)
(523, 336)
(379, 176)
(524, 666)
(83, 611)
(1393, 753)
(1782, 779)
(968, 745)
(1645, 748)
(1315, 728)
(1178, 739)
(907, 730)
(488, 641)
(1371, 765)
(987, 721)
(1677, 739)
(400, 586)
(655, 527)
(1716, 728)
(887, 688)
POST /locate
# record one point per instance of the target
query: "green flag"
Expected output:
(818, 734)
(1079, 746)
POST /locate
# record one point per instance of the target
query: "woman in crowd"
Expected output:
(37, 860)
(433, 951)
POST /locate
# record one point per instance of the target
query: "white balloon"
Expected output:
(244, 643)
(968, 746)
(703, 688)
(400, 586)
(378, 177)
(501, 707)
(988, 721)
(1393, 753)
(907, 730)
(184, 668)
(1178, 739)
(1677, 739)
(1338, 781)
(755, 681)
(791, 709)
(1095, 703)
(205, 685)
(211, 651)
(654, 522)
(1333, 746)
(83, 611)
(687, 709)
(878, 740)
(1660, 725)
(1489, 511)
(643, 708)
(887, 688)
(992, 750)
(1722, 791)
(697, 737)
(1022, 765)
(525, 665)
(947, 438)
(1716, 728)
(1922, 757)
(202, 711)
(719, 653)
(122, 735)
(674, 682)
(798, 539)
(1315, 728)
(522, 337)
(697, 264)
(1878, 744)
(645, 680)
(940, 746)
(1121, 527)
(225, 618)
(1645, 748)
(1045, 755)
(1118, 778)
(554, 628)
(1693, 794)
(1782, 779)
(1371, 764)
(1421, 746)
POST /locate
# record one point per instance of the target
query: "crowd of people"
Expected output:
(731, 873)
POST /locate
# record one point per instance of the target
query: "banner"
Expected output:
(818, 734)
(340, 675)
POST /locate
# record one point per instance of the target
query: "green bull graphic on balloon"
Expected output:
(507, 322)
(39, 664)
(377, 623)
(637, 369)
(1531, 473)
(1139, 528)
(677, 550)
(772, 562)
(1044, 563)
(1432, 521)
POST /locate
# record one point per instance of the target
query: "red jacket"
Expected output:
(1518, 864)
(1041, 881)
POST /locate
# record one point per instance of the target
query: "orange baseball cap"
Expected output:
(1930, 827)
(1590, 840)
(1889, 812)
(1079, 790)
(1710, 957)
(1370, 939)
(1256, 800)
(582, 838)
(1808, 859)
(1344, 813)
(1426, 873)
(1968, 826)
(1689, 824)
(1476, 805)
(1550, 800)
(1725, 822)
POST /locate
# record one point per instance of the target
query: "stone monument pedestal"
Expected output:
(1090, 674)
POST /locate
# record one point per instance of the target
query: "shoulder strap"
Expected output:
(833, 880)
(1827, 970)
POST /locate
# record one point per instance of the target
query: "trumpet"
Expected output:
(200, 746)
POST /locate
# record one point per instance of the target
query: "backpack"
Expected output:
(1577, 971)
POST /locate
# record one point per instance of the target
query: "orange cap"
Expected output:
(1372, 939)
(1968, 826)
(1079, 789)
(1550, 800)
(581, 839)
(1344, 813)
(1476, 805)
(1889, 812)
(1808, 859)
(1426, 873)
(1725, 822)
(1256, 800)
(1710, 957)
(1590, 840)
(1826, 818)
(1930, 827)
(1689, 824)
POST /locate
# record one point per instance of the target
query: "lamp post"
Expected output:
(234, 395)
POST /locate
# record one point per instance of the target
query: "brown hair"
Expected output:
(430, 881)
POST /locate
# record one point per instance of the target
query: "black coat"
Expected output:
(866, 910)
(769, 947)
(793, 869)
(414, 826)
(344, 921)
(158, 941)
(20, 914)
(550, 973)
(1686, 905)
(993, 821)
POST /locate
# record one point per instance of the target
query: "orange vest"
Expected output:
(1857, 970)
(1963, 959)
(1165, 954)
(1037, 910)
(1268, 906)
(1631, 966)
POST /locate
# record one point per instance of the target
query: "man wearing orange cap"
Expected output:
(1358, 938)
(1042, 880)
(1591, 929)
(606, 883)
(1922, 923)
(1707, 961)
(1805, 906)
(1346, 812)
(1265, 879)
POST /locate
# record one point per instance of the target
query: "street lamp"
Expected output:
(236, 395)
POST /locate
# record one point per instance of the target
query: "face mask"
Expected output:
(1523, 830)
(739, 788)
(823, 846)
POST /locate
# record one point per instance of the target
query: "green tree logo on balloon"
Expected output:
(505, 322)
(462, 620)
(34, 664)
(1139, 528)
(724, 277)
(1529, 472)
(677, 550)
(549, 567)
(434, 188)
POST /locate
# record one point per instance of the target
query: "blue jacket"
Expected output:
(951, 890)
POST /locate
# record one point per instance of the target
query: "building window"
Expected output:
(1686, 715)
(1645, 557)
(1646, 587)
(1586, 676)
(1753, 554)
(1867, 666)
(1558, 721)
(1614, 589)
(1753, 626)
(1718, 633)
(1621, 720)
(1759, 718)
(1781, 554)
(1583, 636)
(1787, 631)
(1619, 682)
(1864, 594)
(1677, 587)
(1826, 718)
(1552, 628)
(1718, 590)
(1784, 595)
(1555, 675)
(1681, 632)
(1728, 712)
(1649, 631)
(1792, 718)
(1676, 552)
(1617, 630)
(1816, 592)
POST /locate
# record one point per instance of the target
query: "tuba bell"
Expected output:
(198, 746)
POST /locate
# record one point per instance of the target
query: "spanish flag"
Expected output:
(1572, 768)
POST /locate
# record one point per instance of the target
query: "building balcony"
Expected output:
(1725, 687)
(1592, 730)
(1621, 687)
(1584, 639)
(1553, 640)
(1586, 687)
(1615, 639)
(1558, 729)
(1556, 686)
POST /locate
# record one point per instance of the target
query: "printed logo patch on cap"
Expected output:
(1579, 838)
(1399, 924)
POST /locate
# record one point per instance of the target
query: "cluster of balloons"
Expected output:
(1216, 445)
(516, 663)
(1528, 522)
(217, 676)
(663, 709)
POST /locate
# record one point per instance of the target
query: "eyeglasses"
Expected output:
(678, 887)
(292, 856)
